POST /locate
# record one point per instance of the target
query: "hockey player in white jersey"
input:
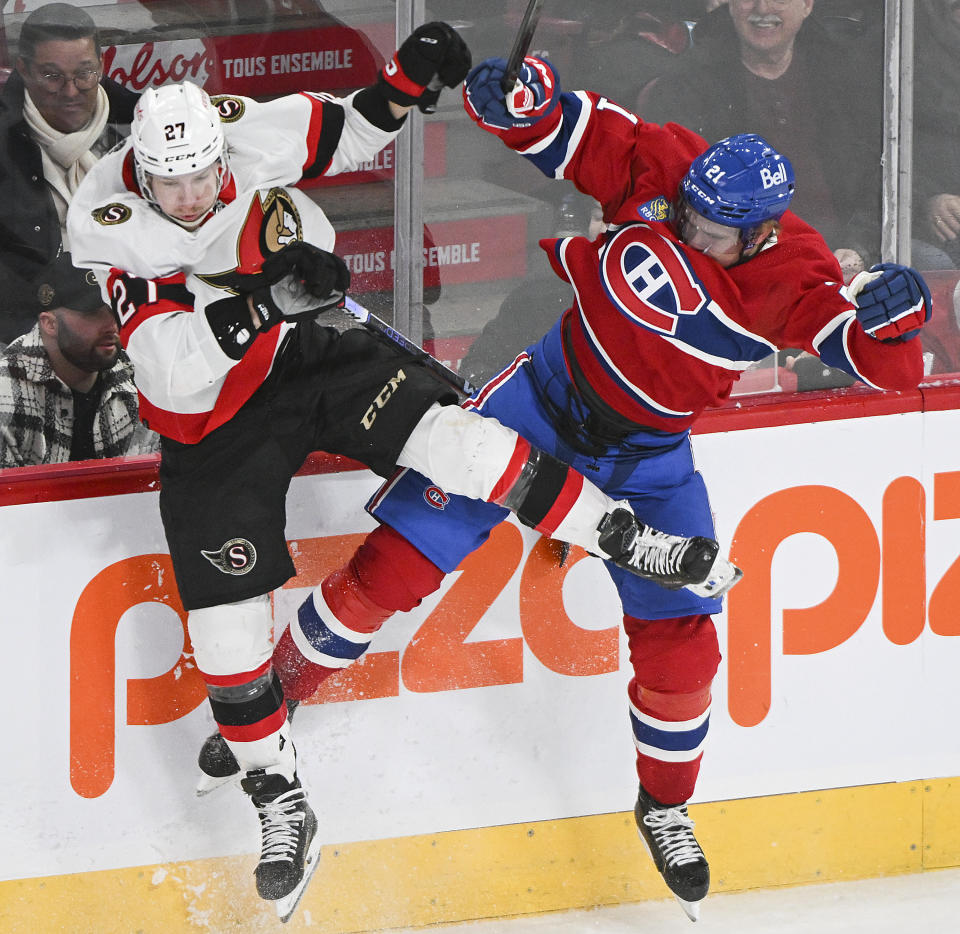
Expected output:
(216, 270)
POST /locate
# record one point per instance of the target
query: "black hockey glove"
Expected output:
(323, 275)
(431, 58)
(290, 300)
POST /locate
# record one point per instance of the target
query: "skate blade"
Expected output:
(287, 905)
(692, 909)
(208, 783)
(723, 575)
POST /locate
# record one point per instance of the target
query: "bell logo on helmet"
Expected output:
(769, 179)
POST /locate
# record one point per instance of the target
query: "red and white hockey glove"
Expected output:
(431, 58)
(893, 302)
(534, 95)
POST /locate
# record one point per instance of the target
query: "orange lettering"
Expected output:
(823, 511)
(438, 657)
(553, 637)
(904, 590)
(944, 618)
(117, 588)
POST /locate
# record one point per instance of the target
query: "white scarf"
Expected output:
(66, 156)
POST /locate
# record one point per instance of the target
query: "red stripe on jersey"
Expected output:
(386, 488)
(521, 454)
(240, 384)
(250, 732)
(477, 401)
(137, 300)
(228, 681)
(562, 505)
(314, 131)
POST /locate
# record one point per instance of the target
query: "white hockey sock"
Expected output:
(579, 526)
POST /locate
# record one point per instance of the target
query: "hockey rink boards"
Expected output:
(485, 740)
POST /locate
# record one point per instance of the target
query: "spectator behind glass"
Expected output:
(534, 306)
(58, 115)
(936, 135)
(770, 67)
(66, 387)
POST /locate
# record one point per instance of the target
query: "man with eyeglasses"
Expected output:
(58, 115)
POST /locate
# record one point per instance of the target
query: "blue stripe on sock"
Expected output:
(322, 639)
(669, 740)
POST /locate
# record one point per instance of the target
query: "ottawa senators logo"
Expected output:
(235, 557)
(111, 214)
(271, 223)
(230, 108)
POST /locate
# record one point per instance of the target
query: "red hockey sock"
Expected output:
(385, 574)
(674, 661)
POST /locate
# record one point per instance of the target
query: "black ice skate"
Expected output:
(667, 833)
(217, 762)
(290, 848)
(673, 561)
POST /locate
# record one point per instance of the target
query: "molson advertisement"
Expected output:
(503, 698)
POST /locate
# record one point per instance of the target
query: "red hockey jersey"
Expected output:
(660, 330)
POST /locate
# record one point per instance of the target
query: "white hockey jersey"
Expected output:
(158, 276)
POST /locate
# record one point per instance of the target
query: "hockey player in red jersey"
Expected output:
(702, 272)
(216, 269)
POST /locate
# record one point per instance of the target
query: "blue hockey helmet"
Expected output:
(740, 181)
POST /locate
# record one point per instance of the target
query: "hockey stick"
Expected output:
(370, 321)
(521, 45)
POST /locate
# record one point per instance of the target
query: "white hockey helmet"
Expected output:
(176, 130)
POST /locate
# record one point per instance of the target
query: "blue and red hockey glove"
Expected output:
(893, 302)
(534, 96)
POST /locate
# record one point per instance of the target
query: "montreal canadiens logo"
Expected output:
(236, 557)
(646, 276)
(435, 497)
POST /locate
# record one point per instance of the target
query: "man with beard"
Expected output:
(66, 387)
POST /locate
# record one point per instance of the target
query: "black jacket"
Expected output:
(842, 89)
(29, 226)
